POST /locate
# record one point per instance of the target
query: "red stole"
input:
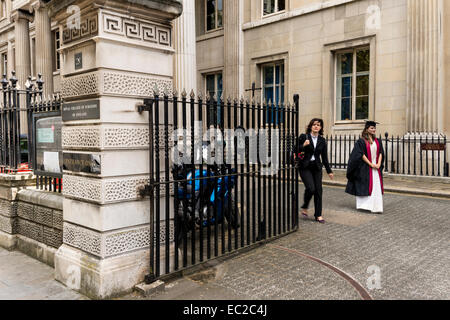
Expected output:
(369, 154)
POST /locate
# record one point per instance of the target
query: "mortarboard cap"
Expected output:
(371, 124)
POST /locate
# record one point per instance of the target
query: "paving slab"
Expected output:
(24, 278)
(402, 254)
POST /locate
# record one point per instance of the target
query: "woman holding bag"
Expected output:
(312, 156)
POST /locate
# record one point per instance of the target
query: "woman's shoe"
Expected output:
(320, 221)
(304, 214)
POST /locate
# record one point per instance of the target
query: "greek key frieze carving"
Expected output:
(88, 27)
(137, 30)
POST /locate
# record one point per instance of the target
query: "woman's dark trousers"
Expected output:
(312, 179)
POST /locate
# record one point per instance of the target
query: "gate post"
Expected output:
(114, 53)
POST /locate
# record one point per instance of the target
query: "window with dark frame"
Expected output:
(4, 63)
(273, 6)
(214, 14)
(56, 46)
(352, 84)
(214, 86)
(273, 90)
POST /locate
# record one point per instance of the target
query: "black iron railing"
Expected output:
(259, 205)
(412, 154)
(17, 112)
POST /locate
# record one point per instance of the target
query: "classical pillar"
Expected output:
(11, 58)
(424, 111)
(185, 60)
(44, 45)
(122, 51)
(185, 73)
(22, 42)
(233, 43)
(23, 55)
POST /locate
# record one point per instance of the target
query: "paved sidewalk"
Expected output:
(406, 248)
(24, 278)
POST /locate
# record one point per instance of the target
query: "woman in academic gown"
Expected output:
(365, 171)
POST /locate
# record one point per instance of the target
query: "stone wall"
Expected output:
(10, 185)
(31, 221)
(39, 218)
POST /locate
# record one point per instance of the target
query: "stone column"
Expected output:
(185, 73)
(44, 45)
(11, 58)
(233, 43)
(120, 53)
(23, 55)
(185, 61)
(424, 111)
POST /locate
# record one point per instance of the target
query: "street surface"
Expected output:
(401, 254)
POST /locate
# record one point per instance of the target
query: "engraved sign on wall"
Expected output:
(86, 110)
(82, 162)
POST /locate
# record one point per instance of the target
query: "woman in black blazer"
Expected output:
(310, 148)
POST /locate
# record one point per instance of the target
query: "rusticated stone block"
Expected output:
(43, 216)
(57, 219)
(25, 210)
(31, 230)
(53, 237)
(8, 208)
(8, 224)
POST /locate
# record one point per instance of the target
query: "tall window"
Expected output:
(352, 84)
(4, 64)
(214, 87)
(272, 6)
(56, 46)
(214, 14)
(273, 90)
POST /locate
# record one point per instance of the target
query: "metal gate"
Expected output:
(221, 177)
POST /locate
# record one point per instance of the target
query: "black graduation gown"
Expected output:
(358, 172)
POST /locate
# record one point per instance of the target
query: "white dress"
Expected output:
(373, 203)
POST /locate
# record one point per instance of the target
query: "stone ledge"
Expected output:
(17, 180)
(152, 288)
(41, 198)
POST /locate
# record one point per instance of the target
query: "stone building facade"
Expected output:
(349, 60)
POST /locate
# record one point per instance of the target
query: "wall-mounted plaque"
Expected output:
(432, 147)
(82, 162)
(86, 110)
(78, 61)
